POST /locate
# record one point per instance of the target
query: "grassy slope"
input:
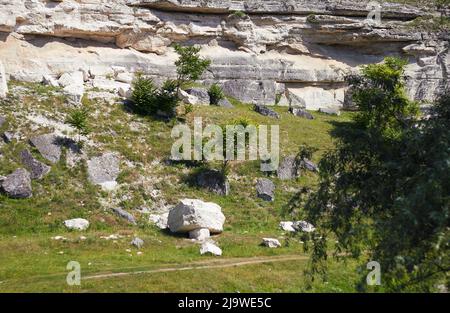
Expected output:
(28, 254)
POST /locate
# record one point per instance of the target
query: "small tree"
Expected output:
(190, 66)
(144, 94)
(216, 94)
(78, 119)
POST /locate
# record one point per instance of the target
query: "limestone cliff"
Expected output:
(296, 51)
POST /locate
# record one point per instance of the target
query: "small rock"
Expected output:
(8, 137)
(159, 220)
(49, 146)
(201, 94)
(330, 111)
(271, 242)
(288, 226)
(208, 247)
(309, 165)
(124, 214)
(304, 226)
(265, 189)
(264, 110)
(300, 112)
(288, 168)
(187, 98)
(72, 78)
(77, 224)
(17, 184)
(49, 80)
(37, 168)
(199, 234)
(74, 93)
(225, 103)
(137, 242)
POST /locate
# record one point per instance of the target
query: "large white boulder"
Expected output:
(191, 214)
(210, 248)
(3, 84)
(271, 242)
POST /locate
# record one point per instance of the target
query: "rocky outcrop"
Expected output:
(298, 49)
(17, 185)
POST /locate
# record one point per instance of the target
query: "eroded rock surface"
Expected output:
(301, 49)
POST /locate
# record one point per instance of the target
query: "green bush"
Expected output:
(215, 94)
(149, 100)
(78, 119)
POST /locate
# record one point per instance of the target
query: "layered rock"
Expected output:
(298, 49)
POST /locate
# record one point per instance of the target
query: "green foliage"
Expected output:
(78, 119)
(384, 192)
(381, 98)
(190, 66)
(215, 94)
(149, 100)
(239, 14)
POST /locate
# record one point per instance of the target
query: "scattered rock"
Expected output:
(8, 137)
(214, 181)
(288, 168)
(71, 79)
(103, 170)
(137, 242)
(330, 111)
(265, 189)
(264, 110)
(271, 242)
(304, 226)
(187, 98)
(77, 224)
(200, 234)
(210, 248)
(74, 93)
(124, 214)
(300, 112)
(125, 92)
(49, 80)
(201, 94)
(191, 214)
(124, 77)
(18, 184)
(37, 168)
(309, 165)
(225, 103)
(288, 226)
(49, 146)
(159, 220)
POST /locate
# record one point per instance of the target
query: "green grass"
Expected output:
(31, 260)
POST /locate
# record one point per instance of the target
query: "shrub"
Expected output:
(215, 94)
(190, 66)
(149, 100)
(78, 119)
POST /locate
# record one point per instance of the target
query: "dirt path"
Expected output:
(223, 263)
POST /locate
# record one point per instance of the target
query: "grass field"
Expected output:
(30, 260)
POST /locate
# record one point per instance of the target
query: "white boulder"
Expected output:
(77, 224)
(187, 98)
(209, 247)
(271, 242)
(304, 226)
(72, 78)
(288, 226)
(191, 214)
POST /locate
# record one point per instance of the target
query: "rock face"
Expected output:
(17, 184)
(265, 189)
(299, 48)
(37, 168)
(192, 214)
(103, 170)
(77, 224)
(3, 84)
(49, 146)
